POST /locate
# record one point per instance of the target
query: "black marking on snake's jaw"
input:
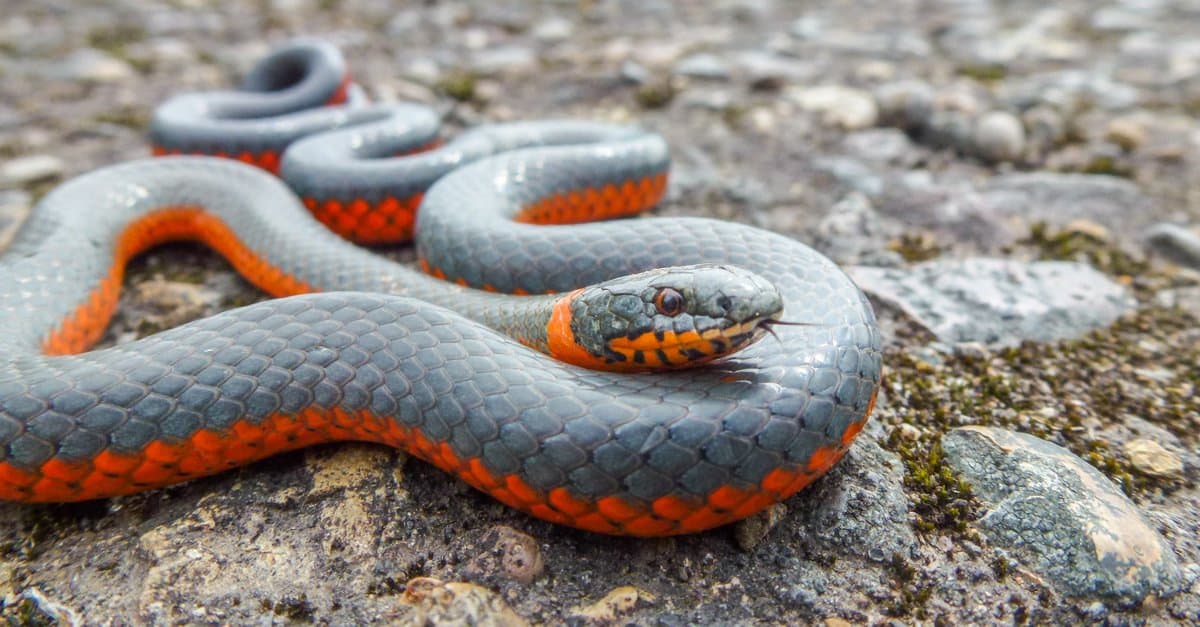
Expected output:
(662, 355)
(694, 353)
(639, 357)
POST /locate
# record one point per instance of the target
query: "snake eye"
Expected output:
(668, 302)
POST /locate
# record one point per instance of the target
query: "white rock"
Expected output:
(846, 107)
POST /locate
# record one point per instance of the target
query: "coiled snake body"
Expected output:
(373, 355)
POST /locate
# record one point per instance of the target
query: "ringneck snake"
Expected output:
(358, 347)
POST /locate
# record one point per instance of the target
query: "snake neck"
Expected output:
(526, 319)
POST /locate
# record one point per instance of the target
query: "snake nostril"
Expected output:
(725, 303)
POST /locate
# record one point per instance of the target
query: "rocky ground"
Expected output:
(1013, 183)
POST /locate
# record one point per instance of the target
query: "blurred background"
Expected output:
(915, 142)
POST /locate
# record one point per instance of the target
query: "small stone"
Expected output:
(634, 72)
(908, 432)
(31, 169)
(508, 554)
(1062, 516)
(1152, 459)
(906, 104)
(999, 137)
(435, 602)
(846, 107)
(1045, 127)
(618, 602)
(509, 60)
(1126, 132)
(95, 66)
(553, 30)
(704, 66)
(1000, 302)
(766, 71)
(1178, 244)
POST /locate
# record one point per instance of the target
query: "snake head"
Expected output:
(666, 318)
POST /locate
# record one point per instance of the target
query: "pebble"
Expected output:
(846, 107)
(1152, 459)
(1127, 132)
(703, 66)
(31, 169)
(507, 554)
(553, 30)
(435, 602)
(999, 136)
(1177, 243)
(769, 71)
(507, 60)
(1000, 302)
(618, 602)
(906, 104)
(95, 66)
(1062, 516)
(749, 532)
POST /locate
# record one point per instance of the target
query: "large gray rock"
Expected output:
(1061, 198)
(999, 302)
(1062, 517)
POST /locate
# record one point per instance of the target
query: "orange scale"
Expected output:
(649, 525)
(449, 457)
(160, 451)
(821, 459)
(726, 497)
(543, 511)
(375, 221)
(12, 476)
(247, 158)
(595, 522)
(754, 504)
(672, 507)
(207, 441)
(802, 480)
(51, 490)
(563, 501)
(153, 473)
(777, 480)
(115, 463)
(100, 485)
(311, 203)
(702, 519)
(506, 497)
(522, 490)
(482, 475)
(617, 510)
(358, 207)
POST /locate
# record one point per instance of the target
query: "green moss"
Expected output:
(459, 85)
(1068, 244)
(655, 95)
(915, 247)
(983, 72)
(131, 117)
(914, 589)
(115, 37)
